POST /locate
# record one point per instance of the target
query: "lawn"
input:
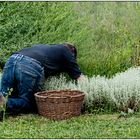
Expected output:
(84, 126)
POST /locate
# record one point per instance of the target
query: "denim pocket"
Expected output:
(28, 80)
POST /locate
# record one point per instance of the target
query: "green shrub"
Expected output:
(106, 33)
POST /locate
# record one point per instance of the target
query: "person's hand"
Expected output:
(81, 77)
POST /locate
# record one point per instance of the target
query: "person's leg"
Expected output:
(8, 79)
(30, 77)
(7, 82)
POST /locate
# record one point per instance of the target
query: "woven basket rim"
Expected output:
(58, 91)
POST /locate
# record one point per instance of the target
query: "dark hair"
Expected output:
(72, 49)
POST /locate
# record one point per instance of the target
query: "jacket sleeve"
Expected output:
(71, 65)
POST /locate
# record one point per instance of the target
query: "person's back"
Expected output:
(43, 52)
(54, 58)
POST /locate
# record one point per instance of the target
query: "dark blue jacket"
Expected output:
(55, 58)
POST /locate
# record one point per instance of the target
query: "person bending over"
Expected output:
(26, 70)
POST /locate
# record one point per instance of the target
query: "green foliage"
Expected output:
(106, 34)
(85, 126)
(107, 38)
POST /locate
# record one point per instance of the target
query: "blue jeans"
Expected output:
(26, 76)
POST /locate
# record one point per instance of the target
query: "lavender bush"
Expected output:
(121, 92)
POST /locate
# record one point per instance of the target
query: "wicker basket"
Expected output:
(59, 104)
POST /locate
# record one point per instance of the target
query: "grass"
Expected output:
(84, 126)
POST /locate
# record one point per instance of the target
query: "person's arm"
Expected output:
(71, 65)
